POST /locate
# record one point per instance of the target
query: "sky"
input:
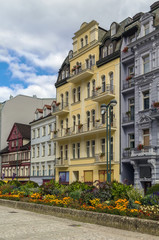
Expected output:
(36, 36)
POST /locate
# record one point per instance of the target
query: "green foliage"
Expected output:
(151, 199)
(135, 194)
(7, 188)
(51, 188)
(119, 190)
(2, 183)
(153, 189)
(75, 194)
(31, 184)
(78, 186)
(15, 183)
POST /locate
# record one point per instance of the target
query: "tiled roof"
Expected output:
(39, 110)
(24, 129)
(47, 106)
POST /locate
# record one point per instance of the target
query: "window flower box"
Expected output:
(80, 126)
(97, 88)
(156, 104)
(140, 147)
(102, 155)
(125, 49)
(74, 68)
(78, 66)
(128, 78)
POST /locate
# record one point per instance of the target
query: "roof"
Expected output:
(47, 106)
(24, 129)
(39, 110)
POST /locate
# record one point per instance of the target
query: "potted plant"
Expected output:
(128, 113)
(125, 49)
(102, 155)
(140, 146)
(80, 125)
(55, 131)
(128, 78)
(78, 66)
(74, 68)
(156, 104)
(97, 88)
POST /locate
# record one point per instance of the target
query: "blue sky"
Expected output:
(36, 36)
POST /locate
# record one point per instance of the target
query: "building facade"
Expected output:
(82, 86)
(139, 100)
(16, 156)
(43, 149)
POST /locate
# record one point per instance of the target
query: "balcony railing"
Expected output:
(145, 151)
(128, 117)
(154, 112)
(128, 84)
(81, 71)
(82, 128)
(60, 107)
(61, 162)
(127, 153)
(103, 92)
(101, 157)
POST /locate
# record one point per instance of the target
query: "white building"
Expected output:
(43, 150)
(18, 109)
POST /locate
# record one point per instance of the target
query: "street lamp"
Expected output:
(106, 109)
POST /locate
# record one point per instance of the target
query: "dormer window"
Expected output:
(146, 29)
(113, 29)
(63, 75)
(81, 42)
(104, 51)
(45, 112)
(110, 49)
(86, 40)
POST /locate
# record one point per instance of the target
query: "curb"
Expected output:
(121, 222)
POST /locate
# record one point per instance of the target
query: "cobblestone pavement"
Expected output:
(18, 224)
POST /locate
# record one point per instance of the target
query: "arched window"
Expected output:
(88, 90)
(78, 119)
(93, 85)
(103, 83)
(74, 123)
(86, 40)
(66, 94)
(74, 95)
(88, 120)
(79, 94)
(110, 49)
(93, 118)
(105, 51)
(111, 81)
(81, 42)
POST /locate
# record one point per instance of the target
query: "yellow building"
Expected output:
(88, 77)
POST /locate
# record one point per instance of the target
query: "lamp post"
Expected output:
(106, 110)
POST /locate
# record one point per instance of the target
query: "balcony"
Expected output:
(81, 72)
(82, 129)
(154, 112)
(126, 153)
(101, 158)
(60, 109)
(128, 86)
(126, 56)
(104, 93)
(145, 152)
(61, 162)
(128, 118)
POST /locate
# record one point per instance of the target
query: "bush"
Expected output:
(7, 188)
(15, 183)
(31, 184)
(76, 195)
(51, 187)
(151, 199)
(2, 183)
(135, 194)
(78, 186)
(153, 189)
(119, 190)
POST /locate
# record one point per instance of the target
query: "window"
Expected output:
(88, 120)
(45, 112)
(103, 145)
(62, 103)
(146, 64)
(146, 29)
(93, 60)
(111, 148)
(78, 94)
(81, 42)
(74, 95)
(73, 150)
(66, 151)
(131, 140)
(66, 98)
(64, 177)
(78, 119)
(33, 132)
(146, 137)
(105, 51)
(93, 85)
(54, 148)
(88, 177)
(49, 129)
(38, 151)
(37, 169)
(49, 170)
(88, 148)
(49, 149)
(113, 29)
(103, 83)
(86, 40)
(93, 118)
(78, 150)
(93, 148)
(66, 123)
(33, 152)
(12, 144)
(131, 109)
(61, 124)
(43, 170)
(38, 132)
(110, 49)
(63, 74)
(131, 71)
(102, 175)
(61, 152)
(88, 90)
(33, 171)
(146, 100)
(111, 77)
(74, 123)
(43, 150)
(44, 131)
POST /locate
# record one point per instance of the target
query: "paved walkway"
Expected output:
(18, 224)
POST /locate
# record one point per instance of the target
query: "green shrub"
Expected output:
(119, 190)
(76, 195)
(31, 184)
(153, 189)
(51, 187)
(7, 188)
(135, 194)
(78, 186)
(2, 183)
(151, 199)
(15, 183)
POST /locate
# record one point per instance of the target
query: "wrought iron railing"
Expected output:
(128, 84)
(101, 157)
(78, 69)
(105, 89)
(59, 106)
(128, 117)
(127, 153)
